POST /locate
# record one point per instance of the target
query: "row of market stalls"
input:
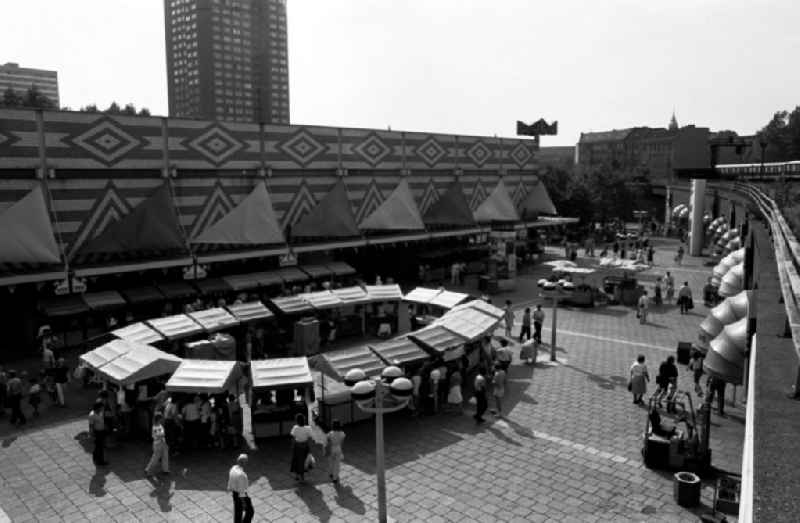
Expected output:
(152, 230)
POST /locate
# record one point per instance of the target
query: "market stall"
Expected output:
(140, 363)
(440, 342)
(215, 319)
(351, 318)
(97, 358)
(204, 377)
(399, 351)
(250, 312)
(282, 388)
(469, 323)
(138, 332)
(334, 366)
(218, 346)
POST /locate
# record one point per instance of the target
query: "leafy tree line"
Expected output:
(33, 98)
(782, 136)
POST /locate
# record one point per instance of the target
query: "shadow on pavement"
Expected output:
(346, 498)
(608, 311)
(162, 493)
(315, 501)
(609, 383)
(97, 485)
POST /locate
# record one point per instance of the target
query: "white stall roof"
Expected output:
(399, 351)
(484, 307)
(448, 299)
(351, 295)
(280, 372)
(106, 353)
(291, 304)
(422, 295)
(389, 292)
(142, 362)
(437, 338)
(468, 322)
(214, 319)
(176, 327)
(250, 311)
(204, 376)
(138, 332)
(322, 299)
(341, 361)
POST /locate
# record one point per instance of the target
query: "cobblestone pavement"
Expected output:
(569, 450)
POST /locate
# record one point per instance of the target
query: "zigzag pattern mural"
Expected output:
(371, 201)
(478, 195)
(217, 205)
(107, 209)
(429, 196)
(302, 202)
(520, 192)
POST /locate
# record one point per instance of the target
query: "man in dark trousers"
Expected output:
(97, 427)
(538, 320)
(716, 387)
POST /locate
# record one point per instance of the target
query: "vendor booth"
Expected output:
(282, 388)
(336, 365)
(138, 332)
(400, 351)
(216, 319)
(107, 353)
(469, 323)
(250, 311)
(440, 342)
(351, 318)
(429, 304)
(140, 363)
(175, 327)
(204, 377)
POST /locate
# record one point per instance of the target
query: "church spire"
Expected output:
(673, 122)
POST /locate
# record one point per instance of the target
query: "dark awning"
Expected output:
(212, 286)
(242, 282)
(27, 232)
(340, 268)
(104, 300)
(292, 274)
(316, 271)
(331, 218)
(142, 295)
(537, 201)
(177, 290)
(63, 306)
(398, 212)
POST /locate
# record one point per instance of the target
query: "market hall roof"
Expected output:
(451, 209)
(537, 201)
(27, 232)
(399, 212)
(331, 218)
(252, 222)
(498, 207)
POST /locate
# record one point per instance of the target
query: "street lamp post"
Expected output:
(371, 395)
(554, 294)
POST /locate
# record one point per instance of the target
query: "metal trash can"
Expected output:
(687, 489)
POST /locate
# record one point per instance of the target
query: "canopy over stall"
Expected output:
(422, 295)
(177, 290)
(140, 363)
(452, 209)
(250, 311)
(317, 271)
(103, 300)
(448, 299)
(439, 341)
(292, 275)
(28, 232)
(291, 304)
(339, 362)
(107, 353)
(243, 282)
(482, 306)
(204, 376)
(398, 212)
(139, 333)
(399, 351)
(63, 306)
(215, 319)
(340, 268)
(322, 300)
(498, 207)
(212, 286)
(351, 295)
(142, 295)
(468, 322)
(376, 293)
(280, 372)
(175, 327)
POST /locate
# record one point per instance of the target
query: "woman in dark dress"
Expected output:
(301, 444)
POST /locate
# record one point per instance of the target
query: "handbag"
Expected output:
(310, 462)
(630, 386)
(689, 304)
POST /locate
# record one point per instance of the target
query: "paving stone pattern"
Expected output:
(569, 450)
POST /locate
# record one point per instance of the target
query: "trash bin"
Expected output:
(687, 489)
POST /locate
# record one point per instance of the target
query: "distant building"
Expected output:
(20, 79)
(556, 156)
(227, 60)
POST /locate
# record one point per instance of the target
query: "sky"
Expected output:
(457, 66)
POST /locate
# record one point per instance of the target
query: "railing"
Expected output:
(747, 489)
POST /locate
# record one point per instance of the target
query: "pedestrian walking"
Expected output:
(651, 252)
(669, 283)
(455, 400)
(97, 428)
(538, 320)
(685, 298)
(61, 377)
(160, 447)
(657, 298)
(667, 381)
(238, 484)
(301, 442)
(526, 325)
(35, 395)
(641, 311)
(696, 366)
(716, 388)
(499, 388)
(638, 380)
(15, 391)
(509, 318)
(171, 429)
(480, 395)
(679, 255)
(334, 441)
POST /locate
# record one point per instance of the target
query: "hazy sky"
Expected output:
(459, 66)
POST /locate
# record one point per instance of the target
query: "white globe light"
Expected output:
(353, 376)
(401, 387)
(391, 373)
(363, 390)
(436, 375)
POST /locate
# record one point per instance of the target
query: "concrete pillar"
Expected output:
(697, 202)
(668, 207)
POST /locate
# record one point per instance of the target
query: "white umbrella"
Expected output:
(733, 281)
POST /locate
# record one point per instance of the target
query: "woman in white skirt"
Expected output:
(639, 378)
(455, 400)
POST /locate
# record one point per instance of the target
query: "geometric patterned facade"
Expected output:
(97, 168)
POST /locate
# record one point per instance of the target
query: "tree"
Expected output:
(35, 99)
(129, 110)
(91, 108)
(782, 136)
(144, 111)
(11, 98)
(114, 108)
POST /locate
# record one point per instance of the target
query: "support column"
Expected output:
(697, 202)
(668, 208)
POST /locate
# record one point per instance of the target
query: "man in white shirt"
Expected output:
(237, 485)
